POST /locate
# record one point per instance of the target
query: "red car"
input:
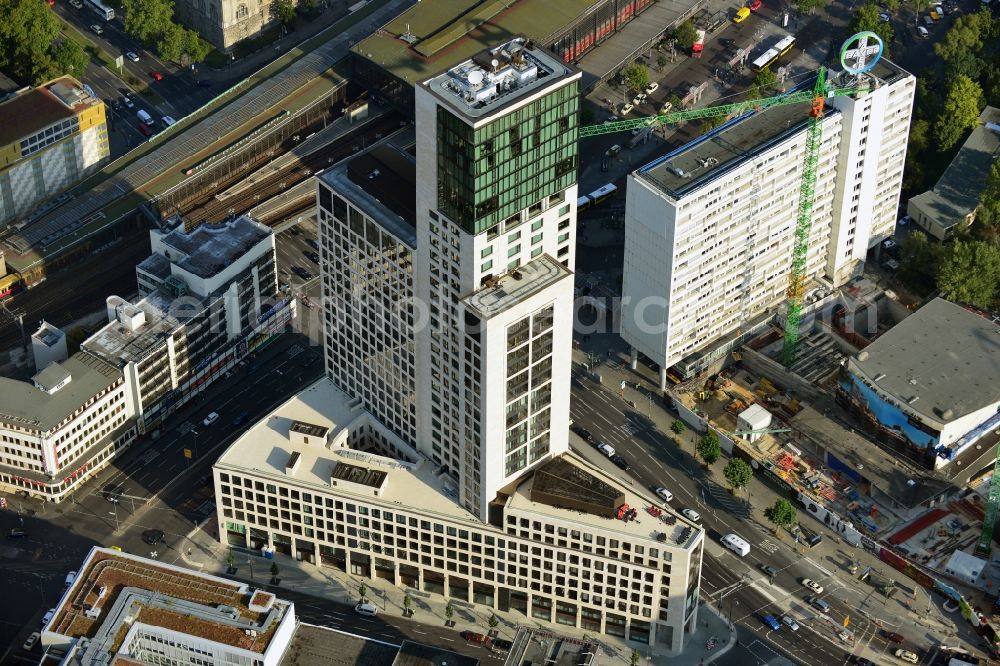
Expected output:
(755, 5)
(145, 129)
(473, 637)
(156, 76)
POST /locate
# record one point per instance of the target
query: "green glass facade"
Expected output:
(488, 174)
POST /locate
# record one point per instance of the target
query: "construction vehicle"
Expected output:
(817, 98)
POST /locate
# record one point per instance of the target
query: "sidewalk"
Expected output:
(204, 553)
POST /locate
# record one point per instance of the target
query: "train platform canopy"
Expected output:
(430, 37)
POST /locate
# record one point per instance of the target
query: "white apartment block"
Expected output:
(322, 480)
(122, 608)
(59, 429)
(209, 299)
(709, 228)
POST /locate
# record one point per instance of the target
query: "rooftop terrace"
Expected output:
(117, 344)
(115, 591)
(516, 286)
(210, 248)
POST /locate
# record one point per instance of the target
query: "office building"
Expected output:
(125, 609)
(928, 386)
(59, 429)
(951, 204)
(709, 228)
(320, 479)
(225, 23)
(50, 137)
(435, 452)
(209, 298)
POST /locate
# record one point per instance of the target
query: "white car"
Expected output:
(48, 616)
(98, 30)
(627, 109)
(168, 121)
(665, 494)
(691, 515)
(30, 642)
(132, 55)
(652, 87)
(884, 16)
(76, 4)
(907, 656)
(813, 585)
(790, 622)
(903, 221)
(210, 419)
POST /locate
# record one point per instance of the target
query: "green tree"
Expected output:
(919, 136)
(284, 11)
(307, 6)
(807, 6)
(737, 473)
(892, 5)
(635, 658)
(493, 622)
(28, 29)
(69, 57)
(274, 570)
(636, 76)
(781, 514)
(449, 612)
(197, 49)
(965, 36)
(989, 201)
(709, 448)
(920, 6)
(408, 604)
(765, 78)
(678, 426)
(170, 43)
(918, 262)
(231, 560)
(959, 113)
(147, 20)
(969, 272)
(363, 591)
(685, 34)
(661, 61)
(867, 18)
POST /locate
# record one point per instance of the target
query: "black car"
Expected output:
(311, 242)
(583, 432)
(313, 256)
(152, 537)
(204, 83)
(302, 273)
(502, 644)
(620, 462)
(861, 661)
(17, 534)
(113, 492)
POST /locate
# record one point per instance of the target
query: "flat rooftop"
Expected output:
(524, 499)
(24, 405)
(266, 449)
(956, 194)
(431, 37)
(496, 77)
(942, 361)
(382, 183)
(210, 248)
(516, 286)
(113, 590)
(118, 345)
(35, 109)
(717, 153)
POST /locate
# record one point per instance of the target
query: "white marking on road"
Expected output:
(810, 561)
(605, 419)
(762, 592)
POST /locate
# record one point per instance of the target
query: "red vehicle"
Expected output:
(699, 44)
(156, 76)
(755, 5)
(145, 129)
(473, 637)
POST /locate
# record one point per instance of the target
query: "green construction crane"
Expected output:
(816, 97)
(985, 544)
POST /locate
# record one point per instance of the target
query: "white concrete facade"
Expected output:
(708, 246)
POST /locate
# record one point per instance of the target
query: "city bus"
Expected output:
(773, 53)
(100, 9)
(602, 193)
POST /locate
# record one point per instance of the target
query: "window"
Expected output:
(514, 237)
(537, 238)
(486, 266)
(514, 250)
(487, 251)
(536, 225)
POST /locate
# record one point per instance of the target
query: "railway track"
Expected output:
(211, 209)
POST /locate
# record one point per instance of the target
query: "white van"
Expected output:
(923, 32)
(144, 117)
(736, 544)
(366, 608)
(70, 577)
(168, 121)
(606, 449)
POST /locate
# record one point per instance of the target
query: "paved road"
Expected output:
(738, 586)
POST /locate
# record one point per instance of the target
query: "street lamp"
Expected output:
(115, 514)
